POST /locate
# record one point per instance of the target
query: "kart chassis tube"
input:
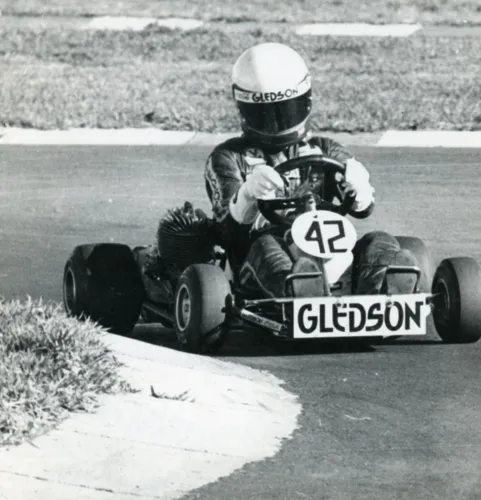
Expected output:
(291, 277)
(241, 310)
(281, 329)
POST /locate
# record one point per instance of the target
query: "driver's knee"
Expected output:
(402, 282)
(271, 252)
(374, 252)
(375, 241)
(267, 265)
(372, 248)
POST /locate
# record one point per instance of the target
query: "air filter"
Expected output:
(184, 237)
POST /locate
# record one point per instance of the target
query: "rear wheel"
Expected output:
(102, 282)
(199, 308)
(457, 304)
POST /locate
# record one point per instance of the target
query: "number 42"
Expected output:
(315, 233)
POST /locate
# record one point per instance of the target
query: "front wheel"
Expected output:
(199, 309)
(457, 301)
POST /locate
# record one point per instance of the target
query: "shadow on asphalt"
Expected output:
(402, 342)
(255, 343)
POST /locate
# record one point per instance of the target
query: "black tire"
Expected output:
(102, 282)
(457, 309)
(424, 257)
(199, 315)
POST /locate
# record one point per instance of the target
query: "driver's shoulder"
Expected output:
(238, 152)
(235, 146)
(224, 158)
(328, 147)
(310, 146)
(322, 142)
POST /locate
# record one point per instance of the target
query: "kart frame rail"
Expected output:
(250, 310)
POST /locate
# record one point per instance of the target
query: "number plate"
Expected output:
(324, 234)
(361, 316)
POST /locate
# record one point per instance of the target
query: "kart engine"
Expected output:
(184, 237)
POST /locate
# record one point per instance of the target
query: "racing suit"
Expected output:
(264, 262)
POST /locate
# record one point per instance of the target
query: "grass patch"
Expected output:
(50, 365)
(375, 11)
(61, 79)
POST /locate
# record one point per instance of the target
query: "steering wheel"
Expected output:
(325, 164)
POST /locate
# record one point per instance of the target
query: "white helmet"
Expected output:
(272, 88)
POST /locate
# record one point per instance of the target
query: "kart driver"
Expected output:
(272, 89)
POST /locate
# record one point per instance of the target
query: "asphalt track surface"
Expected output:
(392, 421)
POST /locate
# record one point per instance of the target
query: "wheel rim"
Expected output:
(442, 304)
(69, 291)
(183, 307)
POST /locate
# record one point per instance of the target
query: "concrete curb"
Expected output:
(195, 419)
(132, 23)
(157, 137)
(365, 139)
(107, 137)
(143, 137)
(430, 139)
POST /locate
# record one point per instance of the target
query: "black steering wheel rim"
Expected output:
(268, 208)
(303, 161)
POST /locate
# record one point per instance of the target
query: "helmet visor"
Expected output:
(276, 117)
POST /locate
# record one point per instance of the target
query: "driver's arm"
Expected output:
(233, 194)
(357, 179)
(223, 178)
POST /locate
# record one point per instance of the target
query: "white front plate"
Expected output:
(324, 234)
(361, 316)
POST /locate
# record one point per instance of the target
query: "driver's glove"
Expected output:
(261, 184)
(356, 184)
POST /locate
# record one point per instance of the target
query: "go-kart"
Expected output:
(203, 298)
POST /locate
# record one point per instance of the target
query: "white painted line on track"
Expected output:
(358, 29)
(121, 23)
(430, 139)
